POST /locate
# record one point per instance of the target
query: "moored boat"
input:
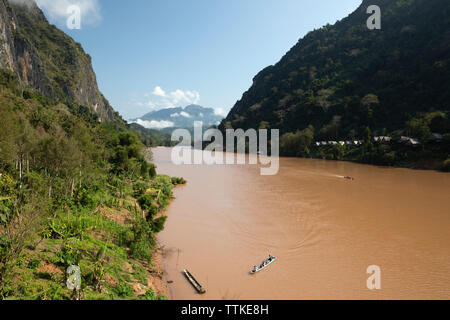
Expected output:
(194, 282)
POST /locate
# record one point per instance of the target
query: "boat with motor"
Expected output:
(263, 265)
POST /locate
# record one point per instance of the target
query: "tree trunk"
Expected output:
(20, 167)
(72, 187)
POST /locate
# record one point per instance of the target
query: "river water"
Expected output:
(325, 231)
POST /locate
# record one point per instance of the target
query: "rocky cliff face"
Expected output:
(46, 59)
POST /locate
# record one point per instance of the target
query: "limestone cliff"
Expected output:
(46, 59)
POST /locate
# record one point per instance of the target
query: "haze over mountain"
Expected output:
(179, 117)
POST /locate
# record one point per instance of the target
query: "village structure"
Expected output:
(408, 141)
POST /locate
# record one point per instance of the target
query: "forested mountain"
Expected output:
(76, 185)
(153, 137)
(342, 81)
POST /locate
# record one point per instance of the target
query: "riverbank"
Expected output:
(159, 280)
(382, 153)
(113, 245)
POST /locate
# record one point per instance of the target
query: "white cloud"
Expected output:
(155, 124)
(160, 99)
(219, 112)
(174, 115)
(159, 92)
(56, 10)
(187, 97)
(185, 114)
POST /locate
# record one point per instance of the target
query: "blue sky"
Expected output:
(150, 54)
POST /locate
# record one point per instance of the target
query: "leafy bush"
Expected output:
(123, 290)
(146, 202)
(139, 188)
(152, 171)
(7, 184)
(151, 295)
(158, 224)
(142, 241)
(178, 181)
(85, 198)
(389, 158)
(298, 144)
(446, 165)
(69, 255)
(71, 228)
(54, 292)
(34, 263)
(6, 210)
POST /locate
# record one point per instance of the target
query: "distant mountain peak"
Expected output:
(180, 117)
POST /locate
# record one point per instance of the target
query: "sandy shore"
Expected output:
(158, 280)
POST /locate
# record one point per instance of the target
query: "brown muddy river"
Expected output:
(324, 230)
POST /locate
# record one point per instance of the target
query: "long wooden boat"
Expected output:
(263, 265)
(194, 282)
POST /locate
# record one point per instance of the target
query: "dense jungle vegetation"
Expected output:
(74, 191)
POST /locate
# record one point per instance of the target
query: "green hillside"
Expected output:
(346, 82)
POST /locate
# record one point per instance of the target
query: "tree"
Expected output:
(367, 134)
(370, 100)
(297, 144)
(331, 130)
(418, 128)
(438, 122)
